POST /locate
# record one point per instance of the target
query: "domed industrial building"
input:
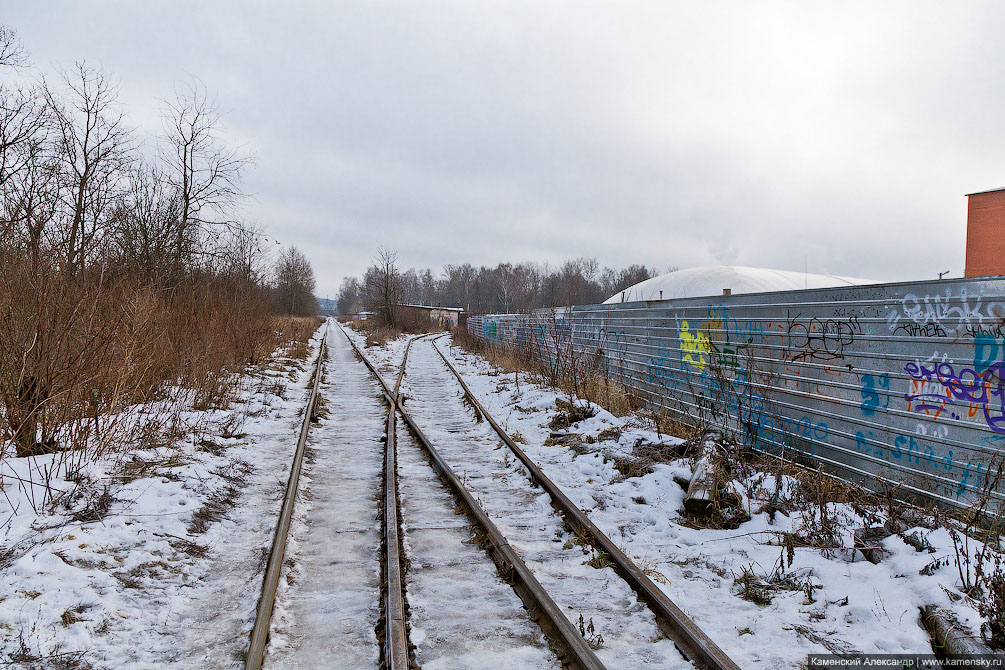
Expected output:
(712, 280)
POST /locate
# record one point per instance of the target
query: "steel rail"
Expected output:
(263, 616)
(689, 638)
(571, 649)
(395, 626)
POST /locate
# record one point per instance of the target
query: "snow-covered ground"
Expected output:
(846, 604)
(154, 557)
(463, 616)
(159, 562)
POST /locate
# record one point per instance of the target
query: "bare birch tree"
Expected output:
(203, 170)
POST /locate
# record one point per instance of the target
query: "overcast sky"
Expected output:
(841, 135)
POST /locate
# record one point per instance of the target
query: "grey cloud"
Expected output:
(773, 134)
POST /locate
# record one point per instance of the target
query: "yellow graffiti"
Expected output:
(694, 348)
(715, 327)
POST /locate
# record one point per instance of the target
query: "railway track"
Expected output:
(441, 602)
(673, 623)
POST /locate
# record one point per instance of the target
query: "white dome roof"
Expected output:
(710, 280)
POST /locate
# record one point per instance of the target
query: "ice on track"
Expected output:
(326, 616)
(524, 514)
(463, 616)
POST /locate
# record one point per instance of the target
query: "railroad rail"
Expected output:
(263, 615)
(396, 655)
(676, 625)
(571, 649)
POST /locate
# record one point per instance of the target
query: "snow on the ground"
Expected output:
(446, 566)
(847, 604)
(157, 559)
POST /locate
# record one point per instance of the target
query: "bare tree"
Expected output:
(382, 285)
(30, 198)
(428, 287)
(349, 296)
(144, 224)
(294, 281)
(204, 171)
(242, 255)
(22, 120)
(95, 151)
(507, 284)
(22, 113)
(12, 51)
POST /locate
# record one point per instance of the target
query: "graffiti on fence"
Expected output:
(490, 332)
(952, 313)
(872, 387)
(694, 347)
(920, 329)
(959, 391)
(816, 339)
(869, 381)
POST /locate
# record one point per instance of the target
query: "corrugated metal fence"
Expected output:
(895, 383)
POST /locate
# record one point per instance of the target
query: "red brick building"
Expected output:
(985, 233)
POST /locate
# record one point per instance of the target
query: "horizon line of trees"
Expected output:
(505, 288)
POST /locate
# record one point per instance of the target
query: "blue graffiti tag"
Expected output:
(870, 394)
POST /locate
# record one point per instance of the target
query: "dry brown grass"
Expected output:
(615, 397)
(76, 352)
(583, 382)
(376, 334)
(293, 334)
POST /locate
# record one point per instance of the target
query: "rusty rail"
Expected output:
(263, 616)
(676, 625)
(395, 626)
(571, 648)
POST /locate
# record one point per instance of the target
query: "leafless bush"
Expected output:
(116, 302)
(976, 534)
(377, 334)
(77, 352)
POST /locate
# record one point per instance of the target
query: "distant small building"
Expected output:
(444, 317)
(363, 316)
(985, 233)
